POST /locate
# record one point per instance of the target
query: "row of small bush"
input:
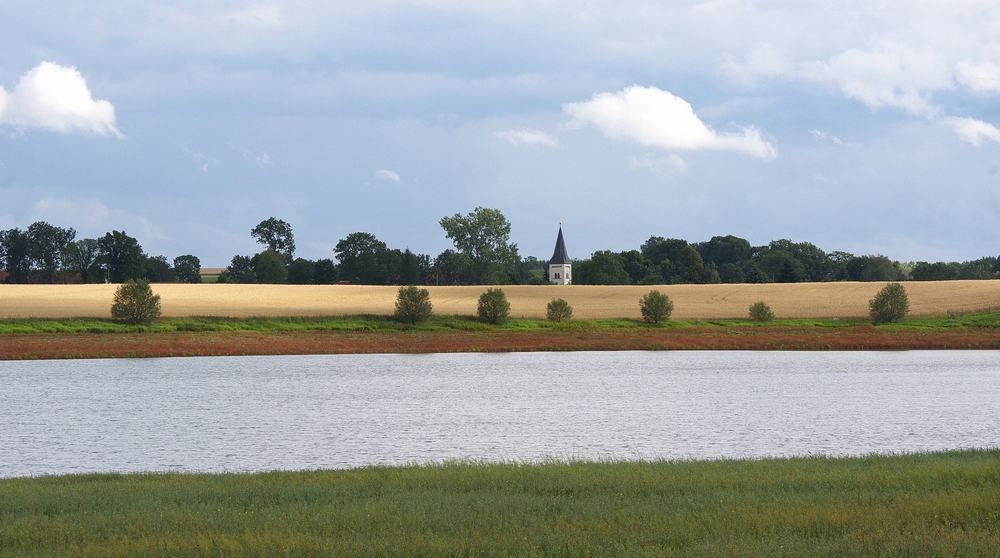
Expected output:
(135, 303)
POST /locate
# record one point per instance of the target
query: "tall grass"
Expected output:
(940, 504)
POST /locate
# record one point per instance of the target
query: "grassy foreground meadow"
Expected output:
(935, 504)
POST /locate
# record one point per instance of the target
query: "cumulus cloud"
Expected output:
(89, 211)
(892, 77)
(56, 98)
(826, 136)
(387, 175)
(981, 78)
(651, 116)
(528, 137)
(973, 131)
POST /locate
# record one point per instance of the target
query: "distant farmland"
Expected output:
(691, 302)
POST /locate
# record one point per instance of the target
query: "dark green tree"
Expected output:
(364, 259)
(302, 272)
(657, 249)
(276, 235)
(493, 307)
(603, 268)
(413, 305)
(269, 267)
(940, 271)
(483, 236)
(731, 273)
(15, 251)
(187, 268)
(722, 250)
(122, 255)
(240, 270)
(135, 303)
(325, 272)
(47, 246)
(158, 270)
(873, 268)
(81, 257)
(640, 270)
(448, 267)
(978, 269)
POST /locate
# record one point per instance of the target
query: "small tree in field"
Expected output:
(656, 307)
(761, 312)
(135, 303)
(889, 305)
(413, 305)
(558, 310)
(493, 307)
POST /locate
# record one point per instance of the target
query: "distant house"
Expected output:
(560, 266)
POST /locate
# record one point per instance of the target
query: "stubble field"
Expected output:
(691, 302)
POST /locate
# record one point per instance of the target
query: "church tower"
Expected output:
(560, 266)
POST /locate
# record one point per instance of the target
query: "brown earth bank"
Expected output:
(691, 302)
(144, 345)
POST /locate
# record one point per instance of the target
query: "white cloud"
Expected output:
(56, 98)
(387, 175)
(651, 116)
(894, 77)
(763, 61)
(981, 78)
(973, 131)
(528, 137)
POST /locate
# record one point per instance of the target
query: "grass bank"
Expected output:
(938, 504)
(362, 323)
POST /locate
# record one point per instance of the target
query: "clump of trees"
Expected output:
(655, 307)
(493, 307)
(135, 303)
(889, 305)
(44, 253)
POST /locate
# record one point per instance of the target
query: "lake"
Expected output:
(337, 411)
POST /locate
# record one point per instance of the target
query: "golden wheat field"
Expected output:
(798, 300)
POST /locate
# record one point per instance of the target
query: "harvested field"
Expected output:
(691, 302)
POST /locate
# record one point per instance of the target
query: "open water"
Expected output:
(308, 412)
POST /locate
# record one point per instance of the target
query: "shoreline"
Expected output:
(44, 346)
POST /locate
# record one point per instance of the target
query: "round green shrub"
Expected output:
(656, 307)
(493, 307)
(413, 305)
(761, 312)
(558, 310)
(890, 304)
(135, 303)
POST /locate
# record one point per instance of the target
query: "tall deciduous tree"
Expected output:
(15, 251)
(81, 257)
(276, 235)
(363, 259)
(187, 268)
(123, 256)
(483, 236)
(48, 246)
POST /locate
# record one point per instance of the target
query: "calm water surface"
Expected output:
(306, 412)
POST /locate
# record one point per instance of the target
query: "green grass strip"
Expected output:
(934, 504)
(455, 323)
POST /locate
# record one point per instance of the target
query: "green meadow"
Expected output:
(455, 323)
(934, 504)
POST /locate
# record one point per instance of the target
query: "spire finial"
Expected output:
(560, 223)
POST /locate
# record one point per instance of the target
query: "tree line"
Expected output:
(482, 255)
(44, 253)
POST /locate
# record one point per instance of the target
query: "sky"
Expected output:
(863, 126)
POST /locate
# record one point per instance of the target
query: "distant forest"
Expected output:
(483, 254)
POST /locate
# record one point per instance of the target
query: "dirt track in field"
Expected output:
(799, 300)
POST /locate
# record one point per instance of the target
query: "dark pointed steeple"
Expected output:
(559, 256)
